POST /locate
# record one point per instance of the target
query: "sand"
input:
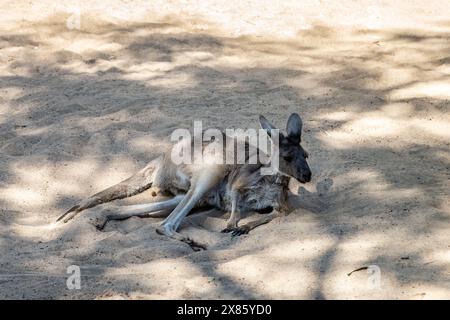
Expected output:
(85, 103)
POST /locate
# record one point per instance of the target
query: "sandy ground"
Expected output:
(83, 106)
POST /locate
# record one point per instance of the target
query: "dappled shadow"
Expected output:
(81, 110)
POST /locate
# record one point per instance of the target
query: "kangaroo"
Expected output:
(235, 188)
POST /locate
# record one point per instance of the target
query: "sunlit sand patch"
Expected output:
(396, 76)
(35, 229)
(80, 169)
(117, 170)
(373, 184)
(437, 127)
(85, 44)
(196, 56)
(232, 60)
(148, 144)
(23, 195)
(160, 67)
(337, 116)
(391, 121)
(397, 110)
(441, 257)
(39, 186)
(443, 69)
(44, 178)
(172, 81)
(252, 270)
(432, 89)
(375, 126)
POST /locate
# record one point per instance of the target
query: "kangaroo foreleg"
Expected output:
(137, 183)
(235, 216)
(202, 184)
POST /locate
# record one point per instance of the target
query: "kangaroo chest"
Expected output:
(261, 196)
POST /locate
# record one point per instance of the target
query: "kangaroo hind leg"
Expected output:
(154, 209)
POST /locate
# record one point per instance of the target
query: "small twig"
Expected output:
(359, 269)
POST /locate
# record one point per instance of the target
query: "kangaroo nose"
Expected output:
(308, 176)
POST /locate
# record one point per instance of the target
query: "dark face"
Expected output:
(292, 160)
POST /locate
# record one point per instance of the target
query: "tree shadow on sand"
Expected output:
(75, 108)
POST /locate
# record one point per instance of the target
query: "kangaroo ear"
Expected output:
(266, 125)
(294, 128)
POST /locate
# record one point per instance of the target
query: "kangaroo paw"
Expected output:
(99, 220)
(240, 231)
(231, 226)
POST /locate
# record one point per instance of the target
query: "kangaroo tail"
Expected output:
(135, 184)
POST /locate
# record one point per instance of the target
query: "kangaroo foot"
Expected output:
(169, 232)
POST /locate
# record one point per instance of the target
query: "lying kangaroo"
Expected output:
(234, 187)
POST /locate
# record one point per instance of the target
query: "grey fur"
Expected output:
(237, 188)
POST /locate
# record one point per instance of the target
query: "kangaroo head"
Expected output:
(292, 156)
